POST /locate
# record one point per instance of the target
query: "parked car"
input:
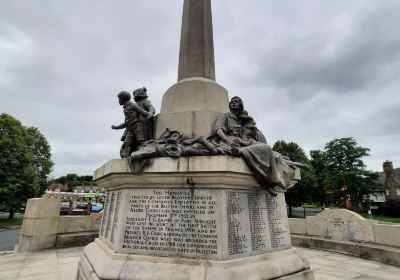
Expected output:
(97, 207)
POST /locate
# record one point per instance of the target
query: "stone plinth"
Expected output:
(190, 218)
(340, 224)
(39, 228)
(191, 106)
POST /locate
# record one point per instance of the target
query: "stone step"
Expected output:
(365, 250)
(75, 239)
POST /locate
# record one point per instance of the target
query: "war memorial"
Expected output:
(205, 199)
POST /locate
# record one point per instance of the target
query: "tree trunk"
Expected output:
(355, 204)
(12, 212)
(290, 211)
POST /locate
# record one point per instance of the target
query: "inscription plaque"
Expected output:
(255, 223)
(104, 219)
(109, 214)
(115, 216)
(278, 225)
(170, 222)
(176, 222)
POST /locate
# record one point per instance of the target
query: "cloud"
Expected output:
(308, 71)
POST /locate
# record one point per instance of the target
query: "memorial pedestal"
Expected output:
(190, 218)
(191, 106)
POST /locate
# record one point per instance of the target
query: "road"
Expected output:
(299, 211)
(8, 239)
(4, 215)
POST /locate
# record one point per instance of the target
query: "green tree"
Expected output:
(24, 162)
(303, 190)
(319, 165)
(74, 180)
(347, 175)
(42, 163)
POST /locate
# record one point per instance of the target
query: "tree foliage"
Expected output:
(25, 162)
(341, 171)
(319, 166)
(303, 190)
(74, 180)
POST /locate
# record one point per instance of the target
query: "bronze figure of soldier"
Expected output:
(141, 99)
(135, 130)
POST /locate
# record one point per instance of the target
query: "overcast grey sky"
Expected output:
(308, 71)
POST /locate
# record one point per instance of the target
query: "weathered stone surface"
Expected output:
(75, 239)
(196, 57)
(42, 208)
(387, 234)
(37, 242)
(200, 223)
(193, 165)
(33, 227)
(191, 106)
(340, 224)
(40, 225)
(95, 221)
(190, 218)
(74, 224)
(98, 259)
(297, 226)
(376, 252)
(193, 95)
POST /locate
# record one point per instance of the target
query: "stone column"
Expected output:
(196, 57)
(193, 103)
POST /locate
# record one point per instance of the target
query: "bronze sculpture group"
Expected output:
(138, 122)
(235, 133)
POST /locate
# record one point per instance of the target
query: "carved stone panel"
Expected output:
(204, 223)
(256, 223)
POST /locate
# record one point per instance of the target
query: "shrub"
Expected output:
(390, 208)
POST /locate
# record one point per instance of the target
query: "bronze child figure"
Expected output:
(135, 130)
(141, 99)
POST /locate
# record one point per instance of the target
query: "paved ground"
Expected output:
(333, 266)
(61, 264)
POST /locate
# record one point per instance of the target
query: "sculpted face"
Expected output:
(121, 100)
(235, 104)
(236, 131)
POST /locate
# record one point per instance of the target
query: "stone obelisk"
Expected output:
(192, 104)
(196, 57)
(191, 218)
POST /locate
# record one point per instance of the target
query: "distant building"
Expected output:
(58, 187)
(88, 189)
(390, 177)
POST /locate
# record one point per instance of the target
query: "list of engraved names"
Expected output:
(171, 221)
(255, 223)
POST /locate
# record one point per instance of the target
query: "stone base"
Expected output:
(74, 239)
(376, 252)
(191, 106)
(100, 262)
(39, 228)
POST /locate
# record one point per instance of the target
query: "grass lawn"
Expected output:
(381, 218)
(13, 222)
(307, 205)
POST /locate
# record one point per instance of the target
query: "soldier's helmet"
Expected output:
(140, 92)
(124, 95)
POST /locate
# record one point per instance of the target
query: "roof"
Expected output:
(396, 174)
(61, 187)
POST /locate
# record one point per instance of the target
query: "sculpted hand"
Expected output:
(236, 142)
(229, 142)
